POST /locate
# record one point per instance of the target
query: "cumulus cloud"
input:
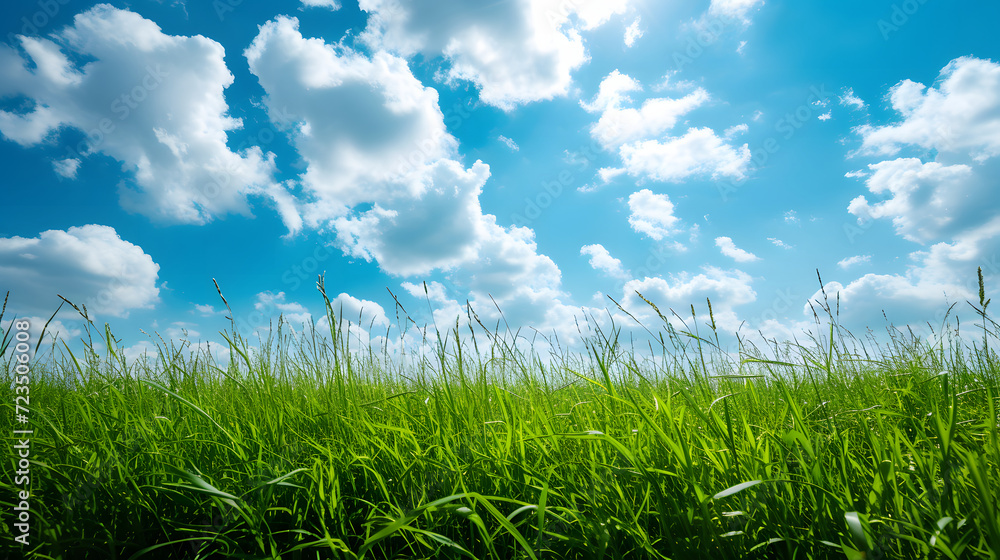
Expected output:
(601, 260)
(440, 229)
(515, 52)
(908, 298)
(88, 265)
(385, 115)
(727, 289)
(779, 243)
(926, 201)
(951, 212)
(418, 215)
(619, 125)
(699, 152)
(152, 101)
(959, 114)
(652, 214)
(643, 140)
(947, 205)
(359, 311)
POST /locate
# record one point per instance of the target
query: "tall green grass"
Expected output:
(304, 447)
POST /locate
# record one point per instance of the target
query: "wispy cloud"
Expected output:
(509, 143)
(779, 243)
(729, 249)
(854, 261)
(632, 33)
(849, 99)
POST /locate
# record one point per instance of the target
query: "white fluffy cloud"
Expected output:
(619, 125)
(729, 249)
(414, 218)
(147, 99)
(388, 126)
(947, 206)
(515, 52)
(960, 114)
(88, 265)
(601, 259)
(359, 311)
(727, 289)
(699, 152)
(910, 298)
(926, 201)
(652, 214)
(642, 137)
(439, 229)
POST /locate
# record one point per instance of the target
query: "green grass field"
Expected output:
(301, 447)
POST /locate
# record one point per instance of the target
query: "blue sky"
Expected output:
(541, 154)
